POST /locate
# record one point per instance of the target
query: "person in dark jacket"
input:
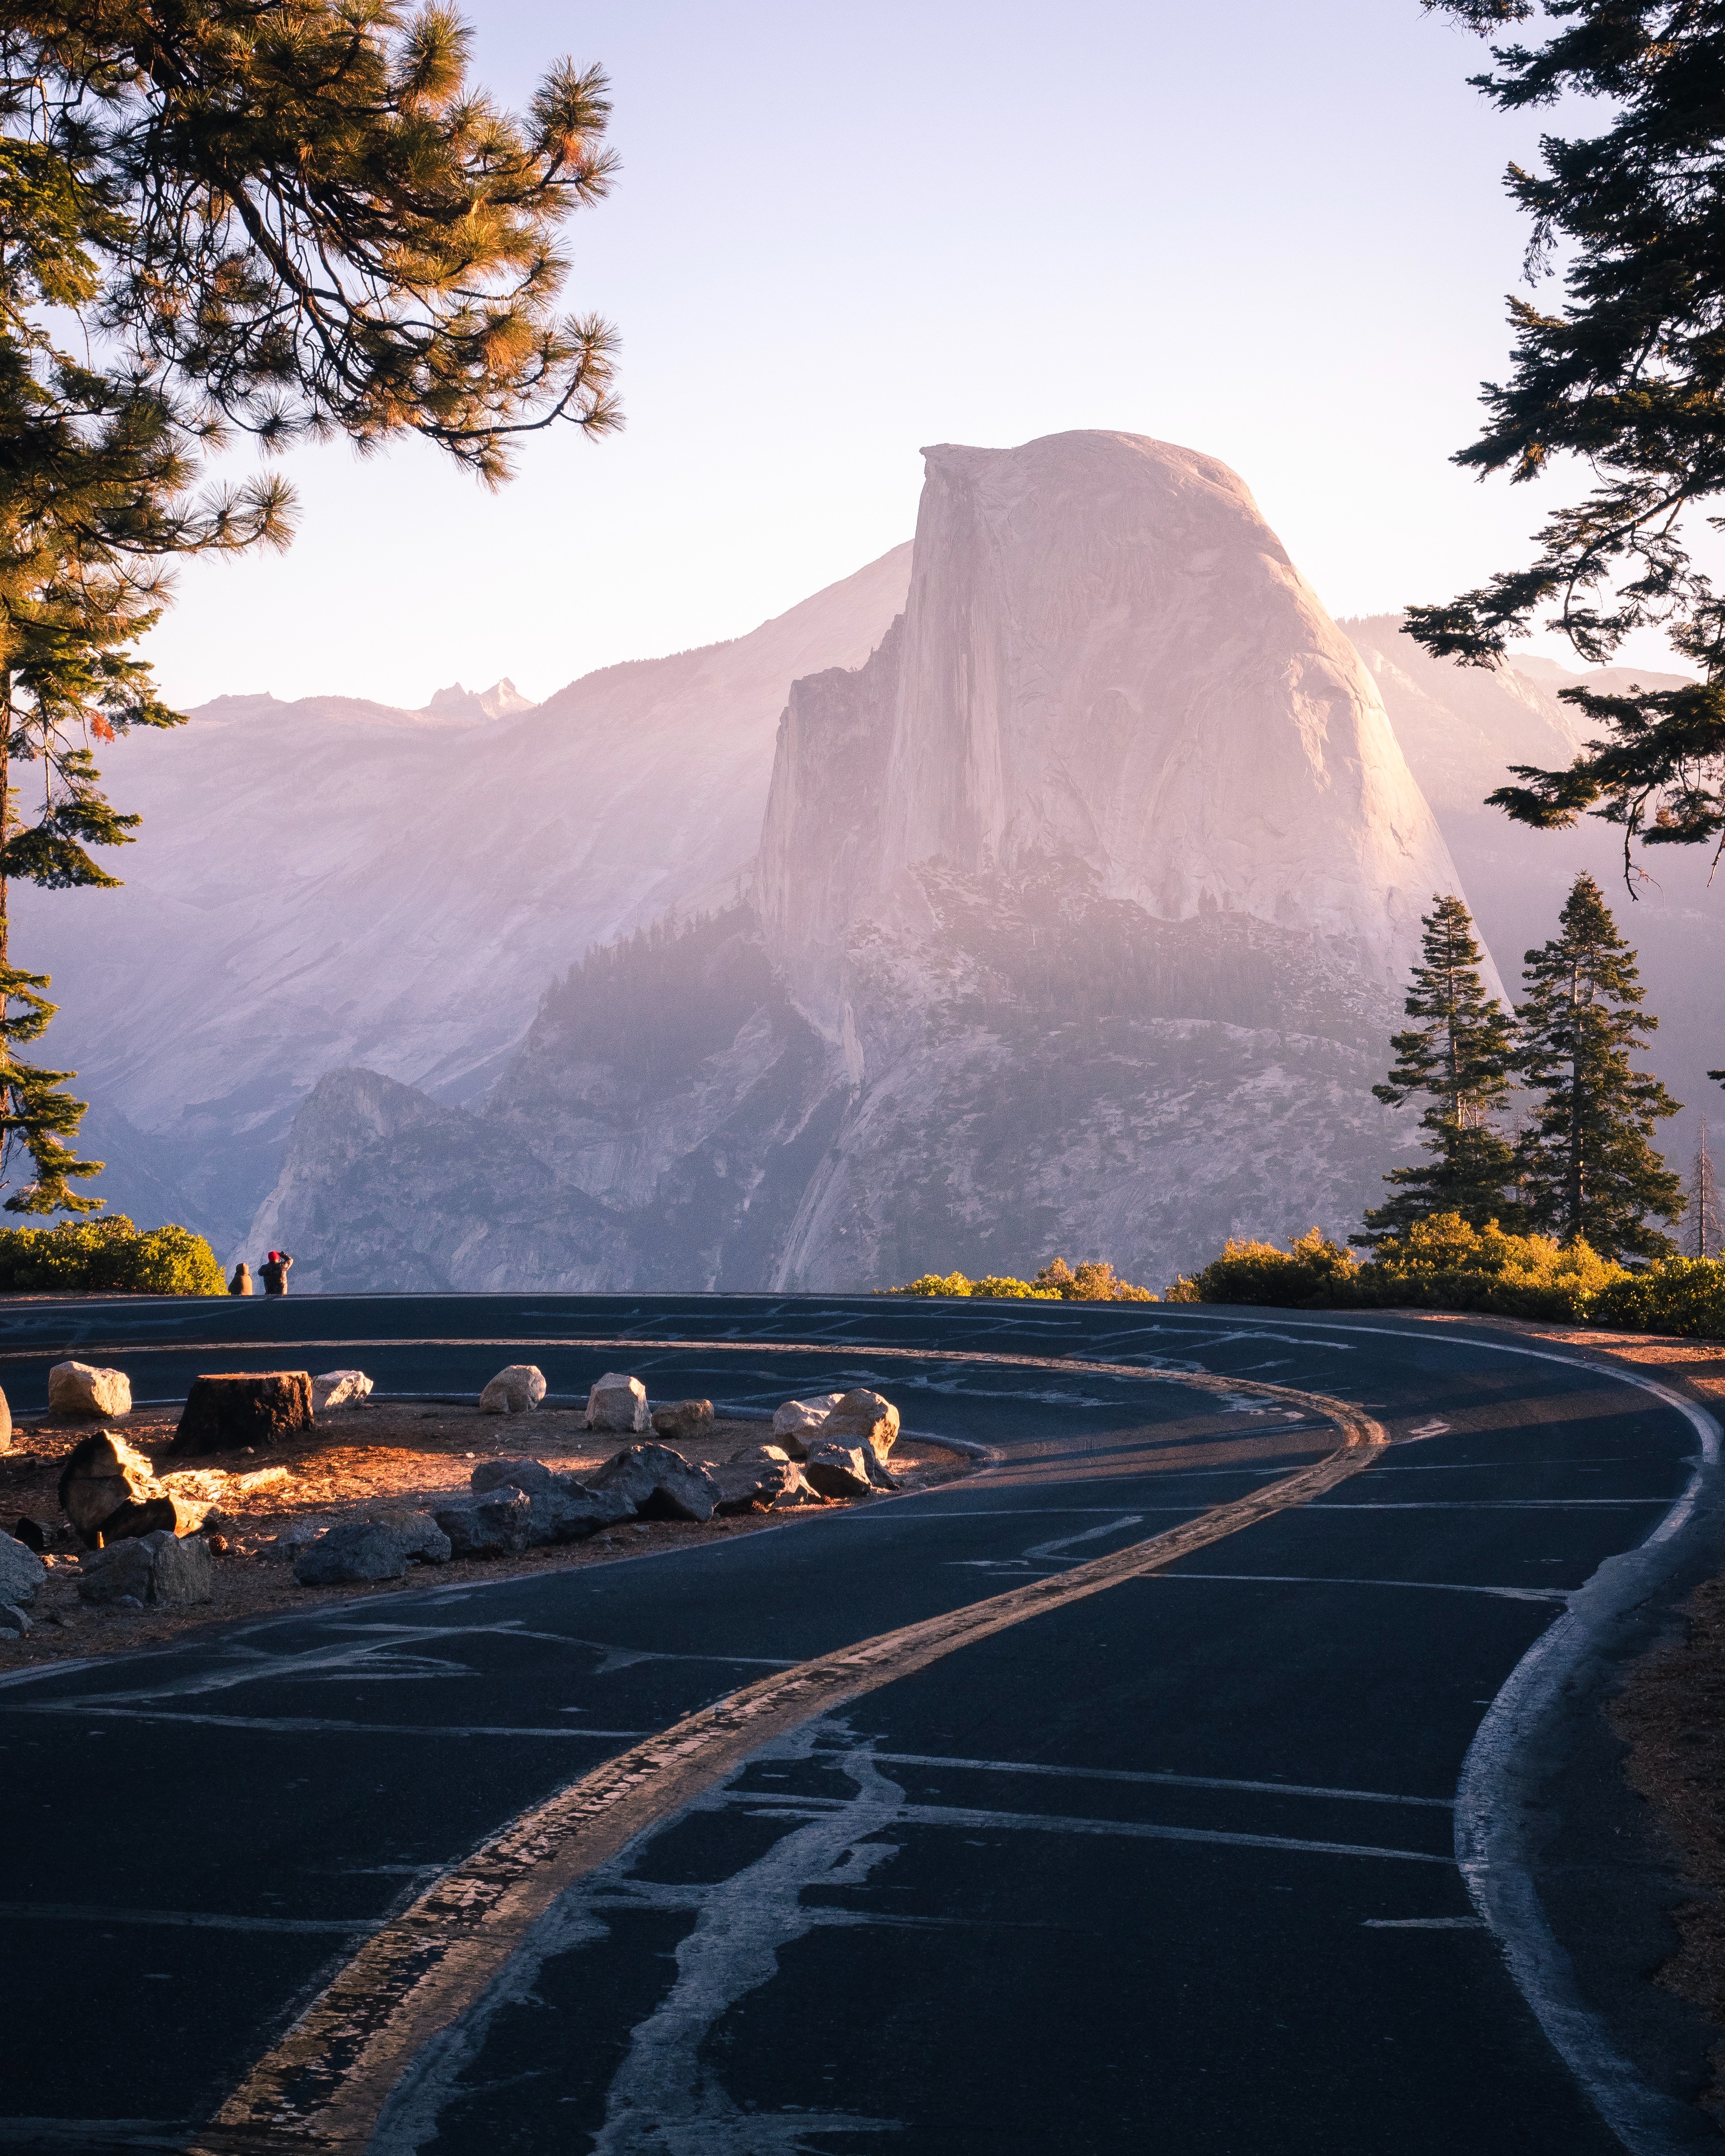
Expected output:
(274, 1270)
(241, 1283)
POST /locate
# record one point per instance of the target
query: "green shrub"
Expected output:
(1093, 1282)
(934, 1284)
(1313, 1274)
(1446, 1263)
(107, 1256)
(1672, 1295)
(1441, 1264)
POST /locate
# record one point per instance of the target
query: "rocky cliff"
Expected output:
(1082, 914)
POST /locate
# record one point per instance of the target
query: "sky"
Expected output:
(1274, 234)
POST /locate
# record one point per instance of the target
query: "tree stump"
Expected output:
(225, 1413)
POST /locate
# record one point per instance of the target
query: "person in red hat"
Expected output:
(274, 1271)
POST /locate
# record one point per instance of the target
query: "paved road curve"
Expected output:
(1175, 1867)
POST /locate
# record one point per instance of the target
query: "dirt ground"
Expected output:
(360, 1460)
(1671, 1715)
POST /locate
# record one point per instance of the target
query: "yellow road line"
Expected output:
(325, 2083)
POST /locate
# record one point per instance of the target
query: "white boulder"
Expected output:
(514, 1390)
(798, 1417)
(82, 1392)
(340, 1389)
(619, 1402)
(863, 1417)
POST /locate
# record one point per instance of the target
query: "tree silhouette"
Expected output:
(1587, 1169)
(1461, 1059)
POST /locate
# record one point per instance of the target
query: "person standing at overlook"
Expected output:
(275, 1270)
(241, 1283)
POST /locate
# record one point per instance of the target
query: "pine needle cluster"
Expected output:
(283, 218)
(1620, 372)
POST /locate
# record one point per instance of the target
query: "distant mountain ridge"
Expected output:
(501, 701)
(335, 882)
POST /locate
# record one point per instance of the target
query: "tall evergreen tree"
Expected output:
(1701, 1221)
(289, 218)
(1461, 1059)
(1587, 1169)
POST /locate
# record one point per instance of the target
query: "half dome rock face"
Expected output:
(1108, 667)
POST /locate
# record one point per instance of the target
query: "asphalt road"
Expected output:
(1173, 1868)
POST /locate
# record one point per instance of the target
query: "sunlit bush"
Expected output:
(1093, 1281)
(107, 1256)
(1445, 1264)
(1672, 1295)
(1441, 1264)
(1313, 1274)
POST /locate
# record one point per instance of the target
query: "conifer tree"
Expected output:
(1701, 1221)
(1588, 1170)
(1461, 1059)
(289, 218)
(1620, 372)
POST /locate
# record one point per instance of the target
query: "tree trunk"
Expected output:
(1576, 1181)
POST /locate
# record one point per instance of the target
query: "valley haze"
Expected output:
(1050, 883)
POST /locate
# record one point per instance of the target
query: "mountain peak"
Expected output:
(501, 701)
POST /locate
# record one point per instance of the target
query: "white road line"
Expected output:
(1506, 1467)
(1117, 1525)
(1176, 1781)
(72, 1913)
(292, 1722)
(84, 2134)
(953, 1815)
(1434, 1586)
(1422, 1924)
(35, 1675)
(1492, 1505)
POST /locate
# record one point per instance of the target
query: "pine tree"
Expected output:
(1619, 374)
(289, 218)
(1588, 1170)
(1461, 1059)
(1700, 1229)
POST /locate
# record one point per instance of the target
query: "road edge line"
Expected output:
(1497, 1792)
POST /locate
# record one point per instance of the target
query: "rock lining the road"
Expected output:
(361, 1461)
(82, 1392)
(518, 1389)
(618, 1401)
(371, 1549)
(161, 1568)
(22, 1571)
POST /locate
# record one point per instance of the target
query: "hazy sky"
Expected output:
(1273, 233)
